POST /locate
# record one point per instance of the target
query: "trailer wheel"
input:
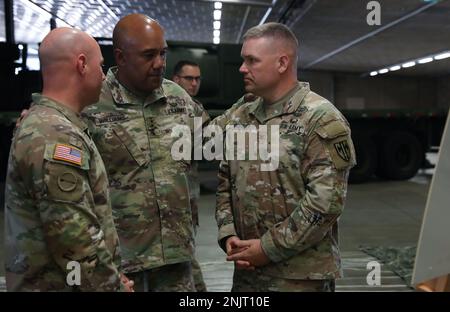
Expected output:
(366, 160)
(400, 157)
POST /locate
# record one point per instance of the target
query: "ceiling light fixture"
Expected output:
(425, 60)
(394, 68)
(411, 63)
(442, 56)
(408, 64)
(217, 14)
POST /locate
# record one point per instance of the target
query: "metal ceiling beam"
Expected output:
(264, 3)
(371, 34)
(244, 21)
(308, 6)
(294, 4)
(269, 10)
(9, 21)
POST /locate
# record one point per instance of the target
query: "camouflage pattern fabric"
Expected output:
(254, 281)
(57, 205)
(149, 189)
(400, 260)
(293, 209)
(194, 191)
(197, 274)
(173, 277)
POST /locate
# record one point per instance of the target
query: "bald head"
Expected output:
(62, 45)
(140, 53)
(129, 29)
(71, 63)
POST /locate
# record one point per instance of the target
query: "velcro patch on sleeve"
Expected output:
(338, 143)
(67, 153)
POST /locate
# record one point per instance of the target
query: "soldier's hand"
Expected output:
(232, 248)
(127, 283)
(251, 252)
(23, 114)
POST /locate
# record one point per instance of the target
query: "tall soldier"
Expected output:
(60, 233)
(132, 127)
(279, 224)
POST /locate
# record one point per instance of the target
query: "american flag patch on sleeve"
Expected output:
(67, 153)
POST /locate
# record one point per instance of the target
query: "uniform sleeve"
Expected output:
(328, 157)
(194, 185)
(71, 227)
(224, 214)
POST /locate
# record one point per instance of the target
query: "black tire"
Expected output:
(401, 155)
(366, 160)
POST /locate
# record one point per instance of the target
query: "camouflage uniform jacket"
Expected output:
(57, 207)
(149, 189)
(193, 177)
(294, 208)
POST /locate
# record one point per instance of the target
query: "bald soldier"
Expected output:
(278, 221)
(60, 234)
(132, 127)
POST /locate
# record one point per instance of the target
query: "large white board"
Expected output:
(433, 250)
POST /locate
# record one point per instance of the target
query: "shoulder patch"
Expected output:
(338, 142)
(67, 153)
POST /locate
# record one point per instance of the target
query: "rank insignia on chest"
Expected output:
(67, 153)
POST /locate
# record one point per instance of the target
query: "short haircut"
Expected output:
(179, 66)
(275, 31)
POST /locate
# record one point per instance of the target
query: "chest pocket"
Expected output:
(127, 141)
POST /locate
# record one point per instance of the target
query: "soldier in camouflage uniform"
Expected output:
(57, 207)
(187, 74)
(280, 225)
(132, 127)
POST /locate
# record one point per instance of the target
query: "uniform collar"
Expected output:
(72, 116)
(289, 103)
(124, 96)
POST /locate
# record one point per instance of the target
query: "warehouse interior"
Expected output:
(384, 64)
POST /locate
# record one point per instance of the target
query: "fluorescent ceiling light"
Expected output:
(216, 40)
(217, 14)
(425, 60)
(216, 25)
(217, 5)
(374, 73)
(408, 64)
(394, 68)
(216, 33)
(383, 71)
(442, 56)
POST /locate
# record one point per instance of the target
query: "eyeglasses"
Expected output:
(191, 78)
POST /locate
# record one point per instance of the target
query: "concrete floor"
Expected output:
(377, 213)
(385, 213)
